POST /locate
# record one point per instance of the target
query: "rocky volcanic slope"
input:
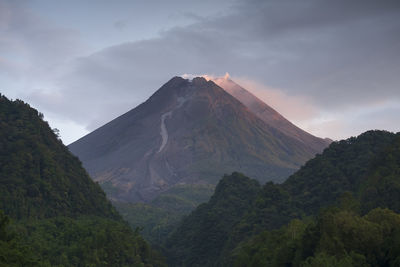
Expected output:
(188, 132)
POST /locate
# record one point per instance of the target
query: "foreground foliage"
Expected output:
(239, 224)
(85, 241)
(54, 215)
(335, 238)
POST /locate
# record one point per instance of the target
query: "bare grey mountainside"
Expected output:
(191, 132)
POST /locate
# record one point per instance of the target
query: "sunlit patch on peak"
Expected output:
(208, 77)
(188, 76)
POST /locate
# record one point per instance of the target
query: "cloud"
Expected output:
(326, 57)
(32, 50)
(29, 38)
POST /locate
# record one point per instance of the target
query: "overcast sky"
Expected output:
(331, 67)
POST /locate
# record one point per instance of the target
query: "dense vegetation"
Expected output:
(233, 196)
(52, 213)
(239, 224)
(158, 218)
(39, 177)
(338, 237)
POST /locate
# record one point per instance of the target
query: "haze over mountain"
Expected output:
(269, 115)
(192, 132)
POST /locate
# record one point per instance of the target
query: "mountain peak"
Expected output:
(205, 76)
(190, 131)
(199, 81)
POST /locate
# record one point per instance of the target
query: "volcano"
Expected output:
(191, 132)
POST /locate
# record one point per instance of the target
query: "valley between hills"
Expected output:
(203, 173)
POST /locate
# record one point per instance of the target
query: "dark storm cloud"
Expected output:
(321, 47)
(340, 53)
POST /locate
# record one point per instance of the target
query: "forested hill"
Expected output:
(51, 212)
(201, 238)
(357, 175)
(40, 178)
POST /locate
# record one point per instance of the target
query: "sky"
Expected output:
(330, 67)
